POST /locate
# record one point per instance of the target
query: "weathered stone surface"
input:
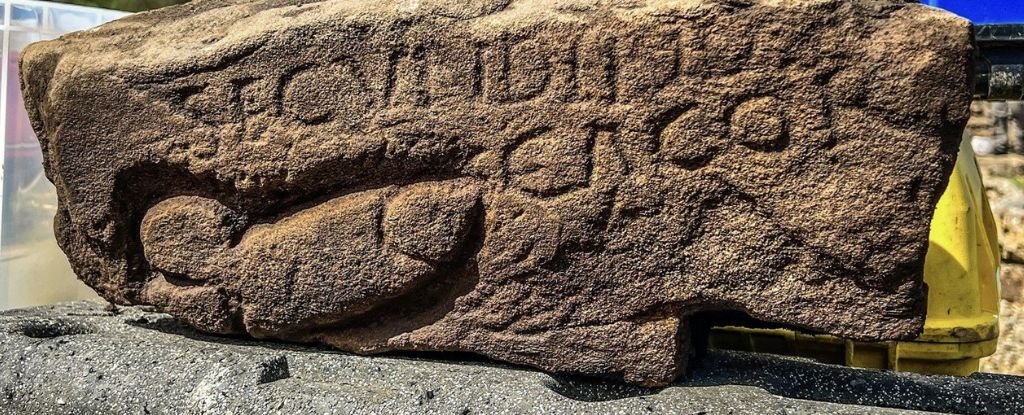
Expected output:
(558, 184)
(83, 358)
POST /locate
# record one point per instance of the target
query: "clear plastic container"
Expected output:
(33, 270)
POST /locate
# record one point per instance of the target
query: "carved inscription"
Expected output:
(320, 93)
(559, 184)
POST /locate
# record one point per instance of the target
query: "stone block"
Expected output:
(557, 184)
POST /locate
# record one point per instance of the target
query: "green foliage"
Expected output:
(124, 5)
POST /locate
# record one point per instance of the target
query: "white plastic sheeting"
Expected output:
(33, 270)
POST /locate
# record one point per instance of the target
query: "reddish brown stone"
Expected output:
(558, 184)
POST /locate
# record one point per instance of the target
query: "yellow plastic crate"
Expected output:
(961, 270)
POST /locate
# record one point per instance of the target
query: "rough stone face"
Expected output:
(81, 358)
(558, 184)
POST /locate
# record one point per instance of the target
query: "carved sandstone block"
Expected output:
(558, 184)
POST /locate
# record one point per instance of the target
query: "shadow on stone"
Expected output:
(575, 387)
(51, 327)
(981, 393)
(780, 376)
(580, 388)
(169, 325)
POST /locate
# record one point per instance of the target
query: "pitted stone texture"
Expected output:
(558, 184)
(84, 358)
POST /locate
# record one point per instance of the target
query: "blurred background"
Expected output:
(34, 271)
(123, 5)
(996, 132)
